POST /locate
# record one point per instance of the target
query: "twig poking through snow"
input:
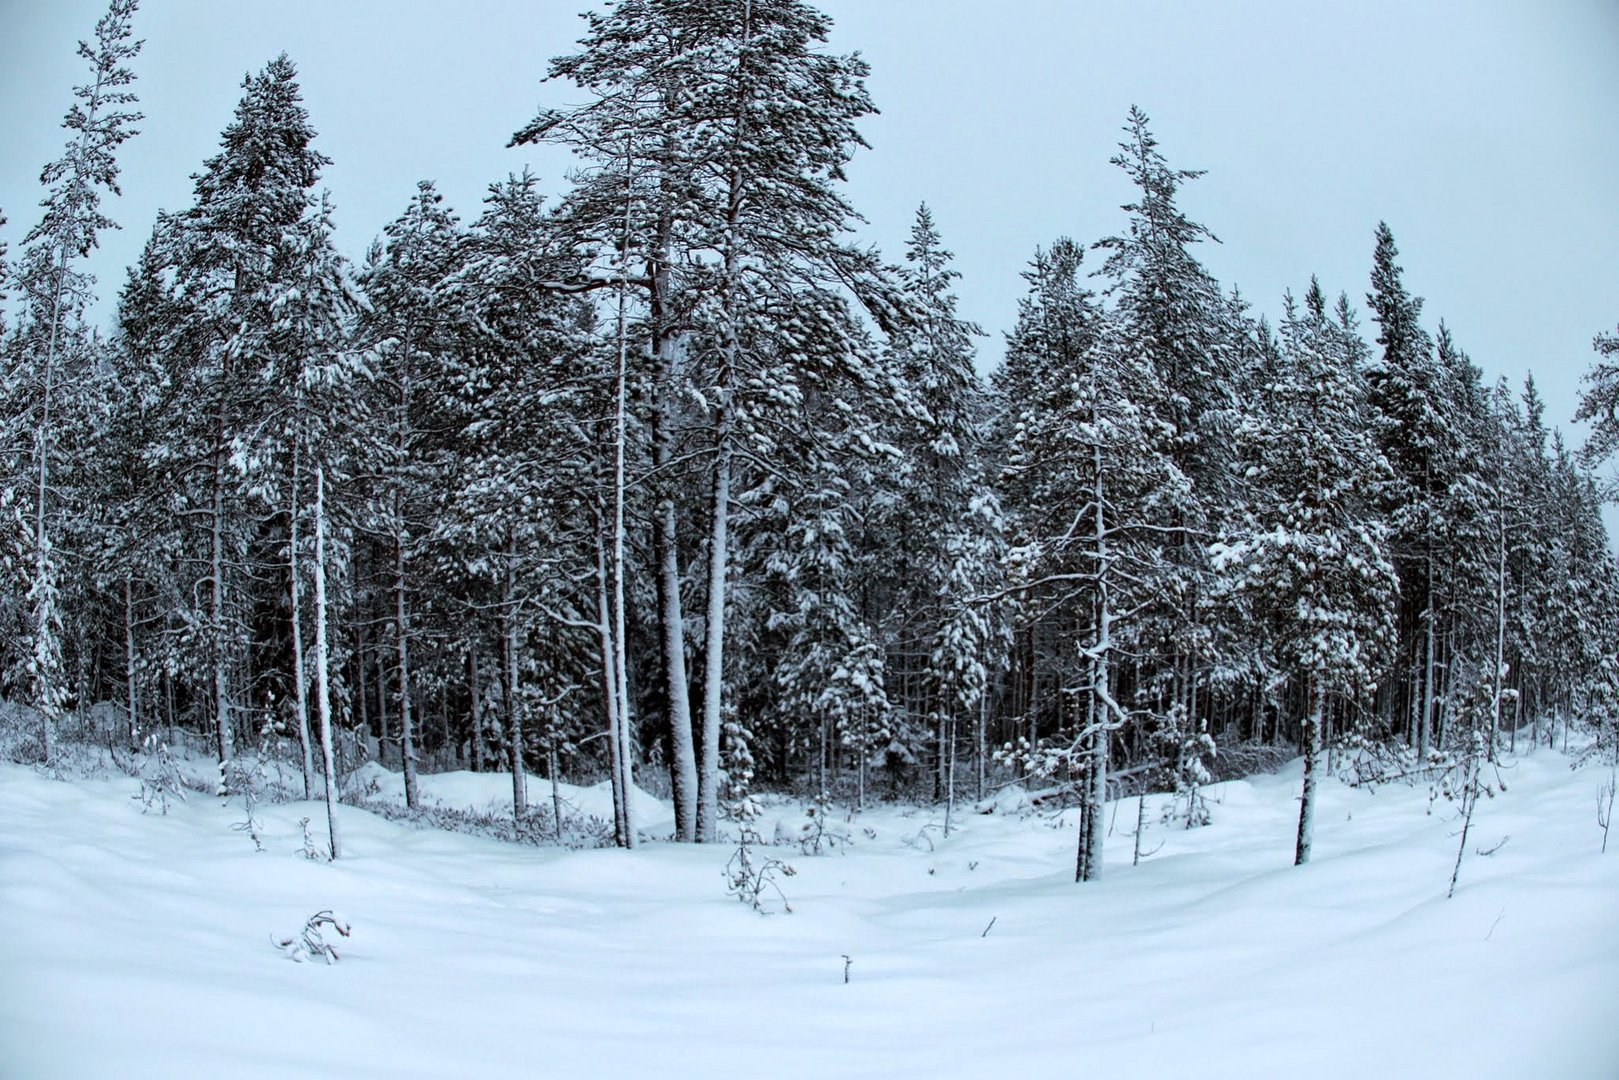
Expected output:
(311, 942)
(847, 963)
(992, 919)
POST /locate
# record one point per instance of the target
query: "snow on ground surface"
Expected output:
(138, 945)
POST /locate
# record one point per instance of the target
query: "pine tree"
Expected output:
(413, 329)
(1599, 399)
(1084, 472)
(231, 259)
(52, 378)
(690, 186)
(520, 519)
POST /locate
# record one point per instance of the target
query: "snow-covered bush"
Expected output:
(749, 876)
(160, 777)
(820, 833)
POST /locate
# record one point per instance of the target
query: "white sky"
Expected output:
(1485, 132)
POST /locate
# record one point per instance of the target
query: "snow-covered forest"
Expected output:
(656, 502)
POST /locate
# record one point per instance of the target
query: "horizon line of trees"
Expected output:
(669, 474)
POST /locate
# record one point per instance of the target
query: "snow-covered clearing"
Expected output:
(139, 945)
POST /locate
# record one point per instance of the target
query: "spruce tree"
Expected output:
(1312, 559)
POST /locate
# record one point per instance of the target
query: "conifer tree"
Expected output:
(231, 259)
(51, 379)
(413, 329)
(690, 184)
(1414, 435)
(1312, 558)
(1179, 326)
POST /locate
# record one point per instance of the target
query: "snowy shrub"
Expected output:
(749, 877)
(1193, 771)
(311, 943)
(537, 826)
(251, 826)
(312, 849)
(1605, 806)
(21, 739)
(752, 877)
(160, 777)
(819, 834)
(1463, 776)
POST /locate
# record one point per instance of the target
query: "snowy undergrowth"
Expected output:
(143, 945)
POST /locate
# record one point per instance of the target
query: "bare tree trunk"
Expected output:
(671, 619)
(407, 737)
(323, 695)
(714, 657)
(1102, 708)
(981, 746)
(130, 673)
(624, 756)
(477, 710)
(383, 697)
(553, 765)
(216, 606)
(1312, 752)
(300, 693)
(623, 821)
(508, 659)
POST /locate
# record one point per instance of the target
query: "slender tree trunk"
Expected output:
(1312, 752)
(323, 694)
(981, 745)
(508, 659)
(407, 737)
(1101, 706)
(714, 655)
(623, 823)
(671, 616)
(130, 672)
(553, 765)
(476, 725)
(216, 605)
(300, 693)
(624, 758)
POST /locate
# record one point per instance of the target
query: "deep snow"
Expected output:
(139, 945)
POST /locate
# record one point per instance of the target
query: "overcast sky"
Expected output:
(1486, 133)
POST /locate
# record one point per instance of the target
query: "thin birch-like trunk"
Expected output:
(553, 765)
(130, 674)
(216, 605)
(477, 709)
(622, 824)
(714, 657)
(300, 693)
(407, 738)
(508, 659)
(624, 758)
(1103, 709)
(323, 695)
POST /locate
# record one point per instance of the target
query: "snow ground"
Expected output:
(138, 945)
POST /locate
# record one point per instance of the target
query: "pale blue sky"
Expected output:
(1486, 133)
